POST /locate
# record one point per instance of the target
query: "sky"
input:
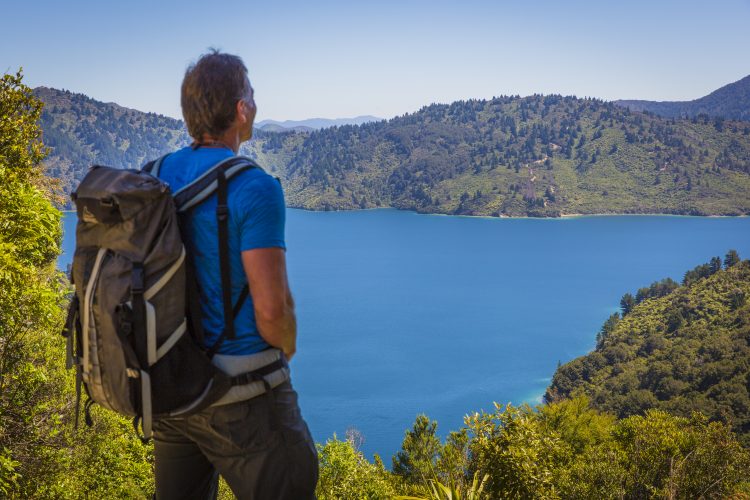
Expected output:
(336, 59)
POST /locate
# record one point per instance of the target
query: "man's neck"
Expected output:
(230, 139)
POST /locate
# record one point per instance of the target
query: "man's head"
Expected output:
(216, 96)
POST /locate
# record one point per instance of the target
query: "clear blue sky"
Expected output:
(332, 59)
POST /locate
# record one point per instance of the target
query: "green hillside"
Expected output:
(677, 348)
(536, 156)
(82, 132)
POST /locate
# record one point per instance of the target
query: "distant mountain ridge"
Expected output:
(731, 102)
(314, 123)
(509, 156)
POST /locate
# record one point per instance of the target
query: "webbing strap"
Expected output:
(79, 379)
(71, 330)
(204, 186)
(146, 415)
(241, 300)
(86, 309)
(237, 307)
(193, 303)
(257, 375)
(87, 412)
(156, 287)
(76, 334)
(140, 329)
(171, 340)
(222, 218)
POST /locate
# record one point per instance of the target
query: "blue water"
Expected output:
(401, 314)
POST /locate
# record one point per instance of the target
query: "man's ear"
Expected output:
(240, 116)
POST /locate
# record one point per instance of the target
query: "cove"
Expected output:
(401, 313)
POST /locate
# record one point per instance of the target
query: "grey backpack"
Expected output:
(134, 328)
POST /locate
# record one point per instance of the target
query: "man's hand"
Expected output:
(274, 308)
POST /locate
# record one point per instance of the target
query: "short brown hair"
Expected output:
(210, 91)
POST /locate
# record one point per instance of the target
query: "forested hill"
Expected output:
(537, 155)
(678, 348)
(81, 132)
(731, 102)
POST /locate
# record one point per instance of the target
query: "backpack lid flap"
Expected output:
(110, 195)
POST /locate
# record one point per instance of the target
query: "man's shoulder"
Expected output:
(256, 182)
(257, 178)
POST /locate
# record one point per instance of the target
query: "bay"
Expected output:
(401, 313)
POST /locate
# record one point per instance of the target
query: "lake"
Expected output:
(400, 313)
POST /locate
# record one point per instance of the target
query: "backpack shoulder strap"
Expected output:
(154, 166)
(207, 184)
(216, 179)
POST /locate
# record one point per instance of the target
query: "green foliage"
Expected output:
(701, 271)
(514, 448)
(680, 352)
(576, 423)
(673, 457)
(567, 450)
(416, 461)
(453, 460)
(8, 473)
(41, 456)
(346, 473)
(30, 292)
(731, 259)
(656, 290)
(453, 491)
(627, 303)
(610, 325)
(559, 450)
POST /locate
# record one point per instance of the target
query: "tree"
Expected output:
(607, 328)
(627, 303)
(731, 258)
(453, 464)
(715, 264)
(416, 460)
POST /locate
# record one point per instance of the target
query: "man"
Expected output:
(261, 445)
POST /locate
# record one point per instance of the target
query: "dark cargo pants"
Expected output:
(262, 452)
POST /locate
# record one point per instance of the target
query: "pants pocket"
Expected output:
(242, 426)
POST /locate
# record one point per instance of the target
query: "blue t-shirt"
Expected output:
(256, 220)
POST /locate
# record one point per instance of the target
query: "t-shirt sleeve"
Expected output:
(262, 214)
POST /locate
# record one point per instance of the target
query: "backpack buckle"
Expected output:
(137, 278)
(222, 212)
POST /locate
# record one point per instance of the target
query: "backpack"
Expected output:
(134, 330)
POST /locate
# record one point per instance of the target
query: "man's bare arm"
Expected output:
(272, 300)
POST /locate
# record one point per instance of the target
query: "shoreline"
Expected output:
(560, 217)
(511, 217)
